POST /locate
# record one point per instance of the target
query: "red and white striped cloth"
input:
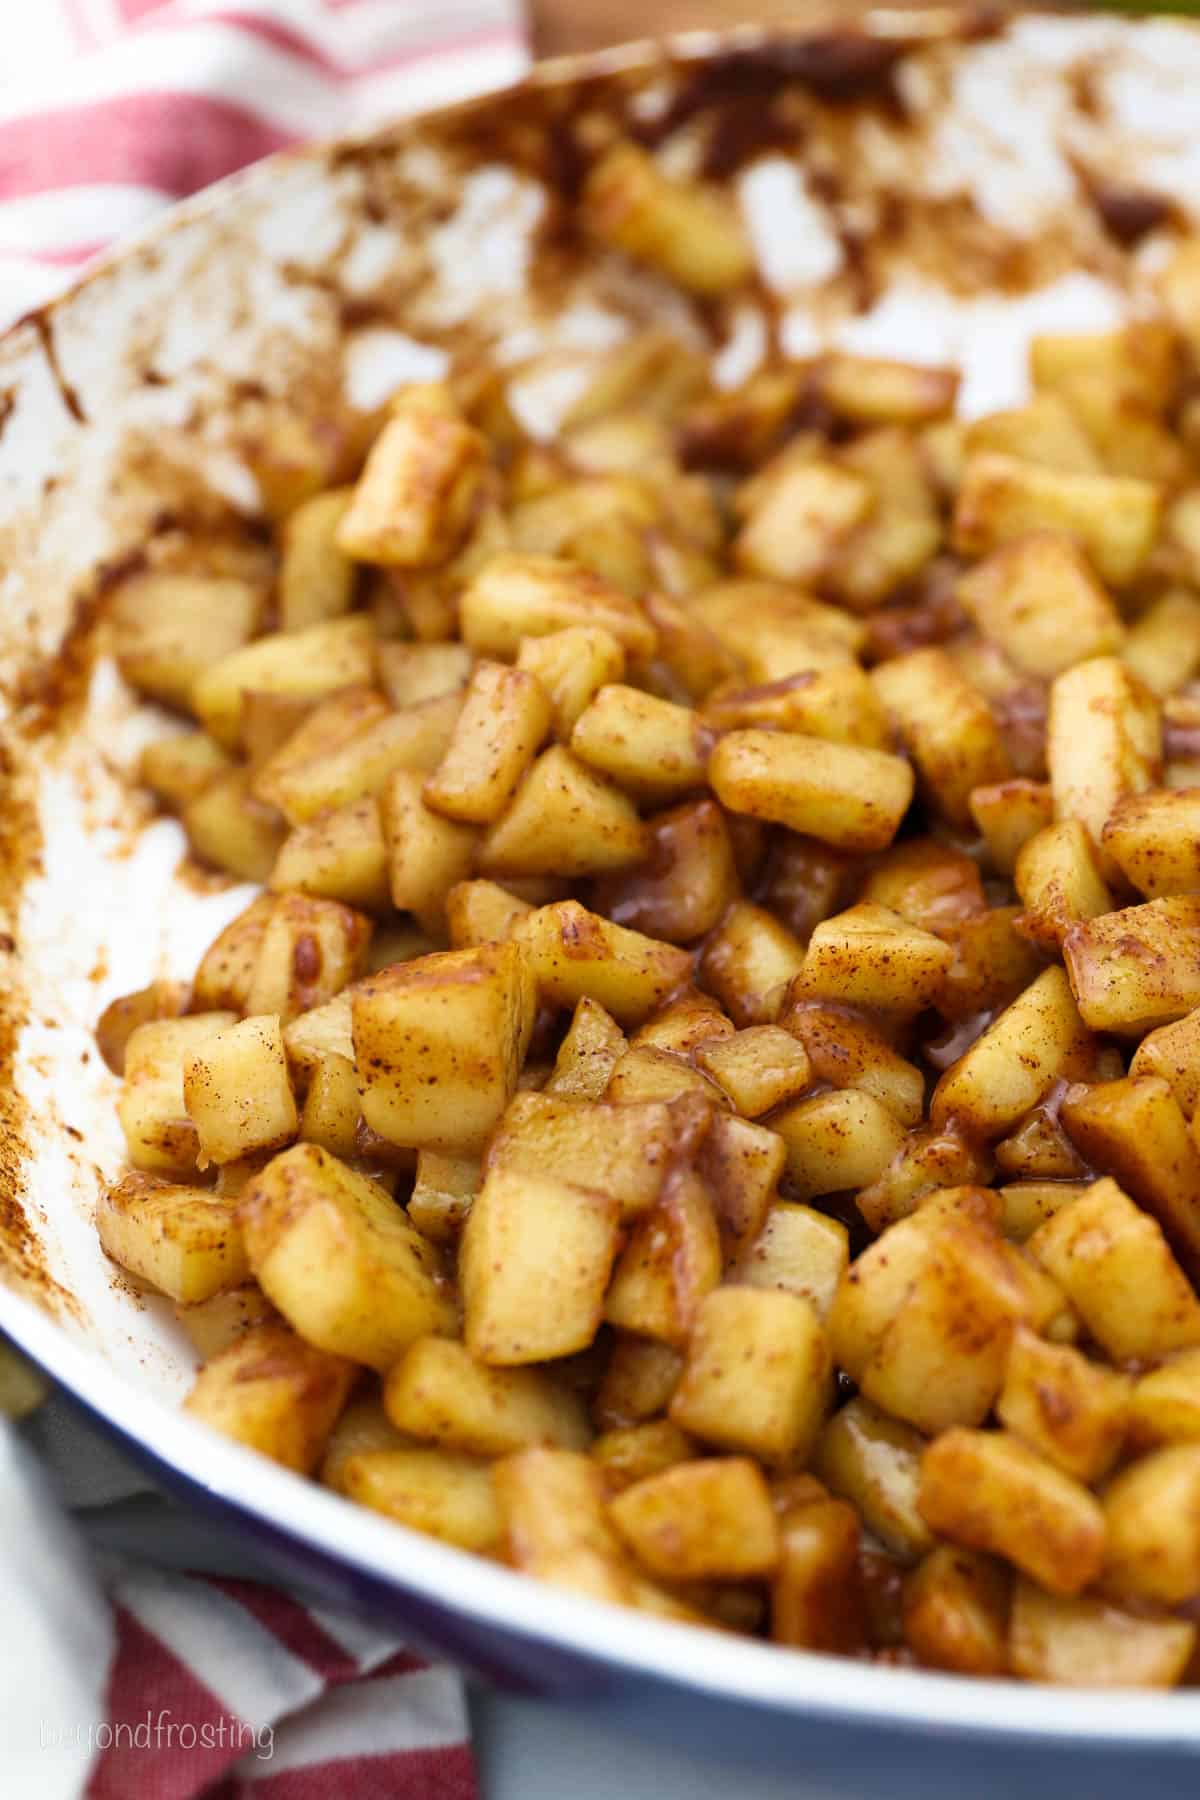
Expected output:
(109, 111)
(119, 1678)
(112, 109)
(230, 1690)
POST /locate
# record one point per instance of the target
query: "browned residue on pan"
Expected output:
(42, 321)
(21, 1249)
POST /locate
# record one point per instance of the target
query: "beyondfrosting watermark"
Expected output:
(160, 1731)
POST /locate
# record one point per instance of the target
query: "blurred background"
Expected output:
(564, 25)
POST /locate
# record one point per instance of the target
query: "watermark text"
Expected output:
(160, 1731)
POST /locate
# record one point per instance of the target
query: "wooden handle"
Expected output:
(564, 25)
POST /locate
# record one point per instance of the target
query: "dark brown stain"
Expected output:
(744, 133)
(840, 68)
(7, 402)
(41, 320)
(565, 159)
(355, 312)
(1129, 214)
(50, 693)
(111, 574)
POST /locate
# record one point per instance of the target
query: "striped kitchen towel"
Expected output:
(231, 1690)
(122, 1678)
(112, 109)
